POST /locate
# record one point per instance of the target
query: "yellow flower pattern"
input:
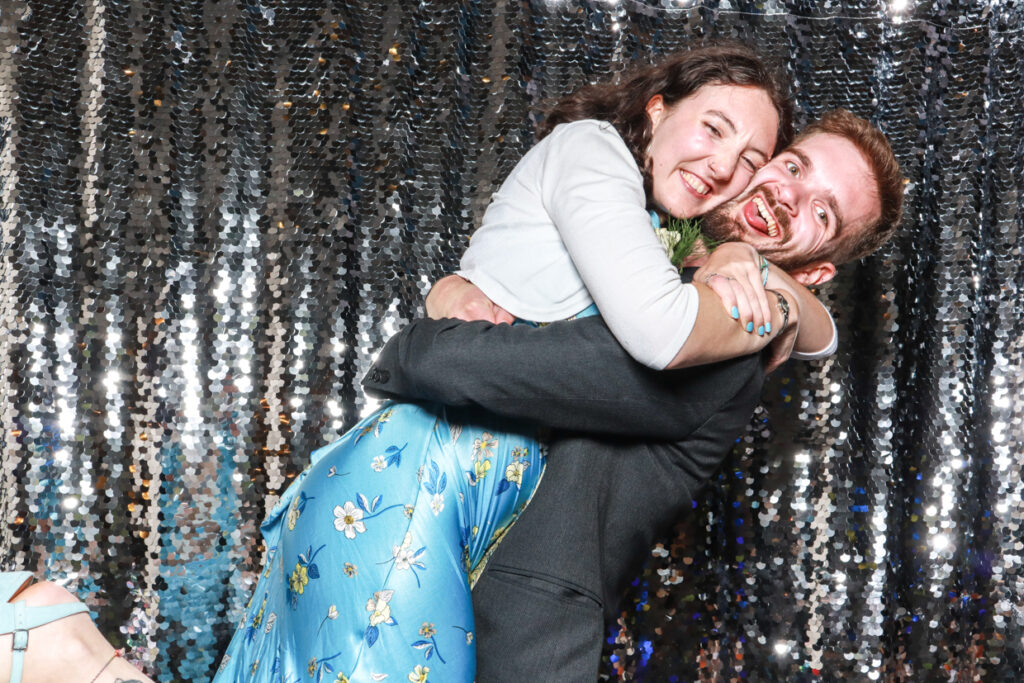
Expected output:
(299, 579)
(481, 468)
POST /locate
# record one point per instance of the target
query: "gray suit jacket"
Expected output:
(631, 448)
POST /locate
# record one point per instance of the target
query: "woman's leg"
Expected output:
(65, 650)
(369, 549)
(365, 550)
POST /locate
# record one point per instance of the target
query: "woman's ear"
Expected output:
(814, 274)
(655, 109)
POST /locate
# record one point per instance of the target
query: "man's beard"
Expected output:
(719, 226)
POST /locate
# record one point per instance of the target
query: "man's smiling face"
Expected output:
(816, 191)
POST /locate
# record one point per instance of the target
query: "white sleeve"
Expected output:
(594, 194)
(825, 352)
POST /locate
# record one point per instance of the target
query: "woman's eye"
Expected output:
(713, 130)
(792, 168)
(749, 163)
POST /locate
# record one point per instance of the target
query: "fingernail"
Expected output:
(750, 327)
(735, 313)
(760, 330)
(768, 328)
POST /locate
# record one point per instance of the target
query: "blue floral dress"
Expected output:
(373, 549)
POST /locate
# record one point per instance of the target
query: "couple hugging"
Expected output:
(483, 524)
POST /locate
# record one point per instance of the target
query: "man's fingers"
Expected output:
(501, 315)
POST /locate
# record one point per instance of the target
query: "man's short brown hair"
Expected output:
(875, 148)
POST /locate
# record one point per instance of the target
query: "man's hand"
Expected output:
(455, 297)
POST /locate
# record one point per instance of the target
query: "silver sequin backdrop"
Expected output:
(212, 212)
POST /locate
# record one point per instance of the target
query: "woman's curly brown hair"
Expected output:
(624, 103)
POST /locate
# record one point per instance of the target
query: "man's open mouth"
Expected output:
(761, 218)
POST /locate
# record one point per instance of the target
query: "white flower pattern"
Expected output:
(349, 519)
(437, 504)
(403, 554)
(378, 607)
(514, 472)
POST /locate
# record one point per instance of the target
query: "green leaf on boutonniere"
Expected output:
(680, 236)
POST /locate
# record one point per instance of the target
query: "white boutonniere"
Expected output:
(668, 240)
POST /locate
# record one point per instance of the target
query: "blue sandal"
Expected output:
(18, 618)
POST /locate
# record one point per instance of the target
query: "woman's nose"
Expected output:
(722, 167)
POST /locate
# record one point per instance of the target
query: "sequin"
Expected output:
(214, 213)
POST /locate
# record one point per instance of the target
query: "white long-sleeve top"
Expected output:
(568, 228)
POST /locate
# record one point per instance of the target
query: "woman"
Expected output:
(372, 550)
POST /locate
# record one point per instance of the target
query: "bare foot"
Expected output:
(67, 650)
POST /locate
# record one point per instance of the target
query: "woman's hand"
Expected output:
(733, 272)
(455, 297)
(780, 348)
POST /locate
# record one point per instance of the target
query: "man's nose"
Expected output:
(787, 195)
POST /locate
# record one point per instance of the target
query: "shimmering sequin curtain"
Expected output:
(213, 212)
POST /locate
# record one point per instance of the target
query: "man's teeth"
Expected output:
(696, 183)
(768, 216)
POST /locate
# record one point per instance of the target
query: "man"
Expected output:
(553, 583)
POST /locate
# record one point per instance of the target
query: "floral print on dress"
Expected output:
(514, 470)
(469, 634)
(483, 451)
(296, 508)
(375, 425)
(435, 482)
(320, 667)
(257, 619)
(375, 520)
(332, 613)
(428, 642)
(305, 570)
(351, 520)
(380, 613)
(348, 519)
(406, 559)
(392, 456)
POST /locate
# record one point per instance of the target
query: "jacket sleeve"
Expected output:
(569, 375)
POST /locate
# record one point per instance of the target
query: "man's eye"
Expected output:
(822, 215)
(792, 168)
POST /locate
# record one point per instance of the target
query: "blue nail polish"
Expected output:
(768, 328)
(760, 330)
(735, 313)
(750, 327)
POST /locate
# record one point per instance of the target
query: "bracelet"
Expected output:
(783, 309)
(764, 272)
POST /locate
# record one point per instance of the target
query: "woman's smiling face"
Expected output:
(706, 147)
